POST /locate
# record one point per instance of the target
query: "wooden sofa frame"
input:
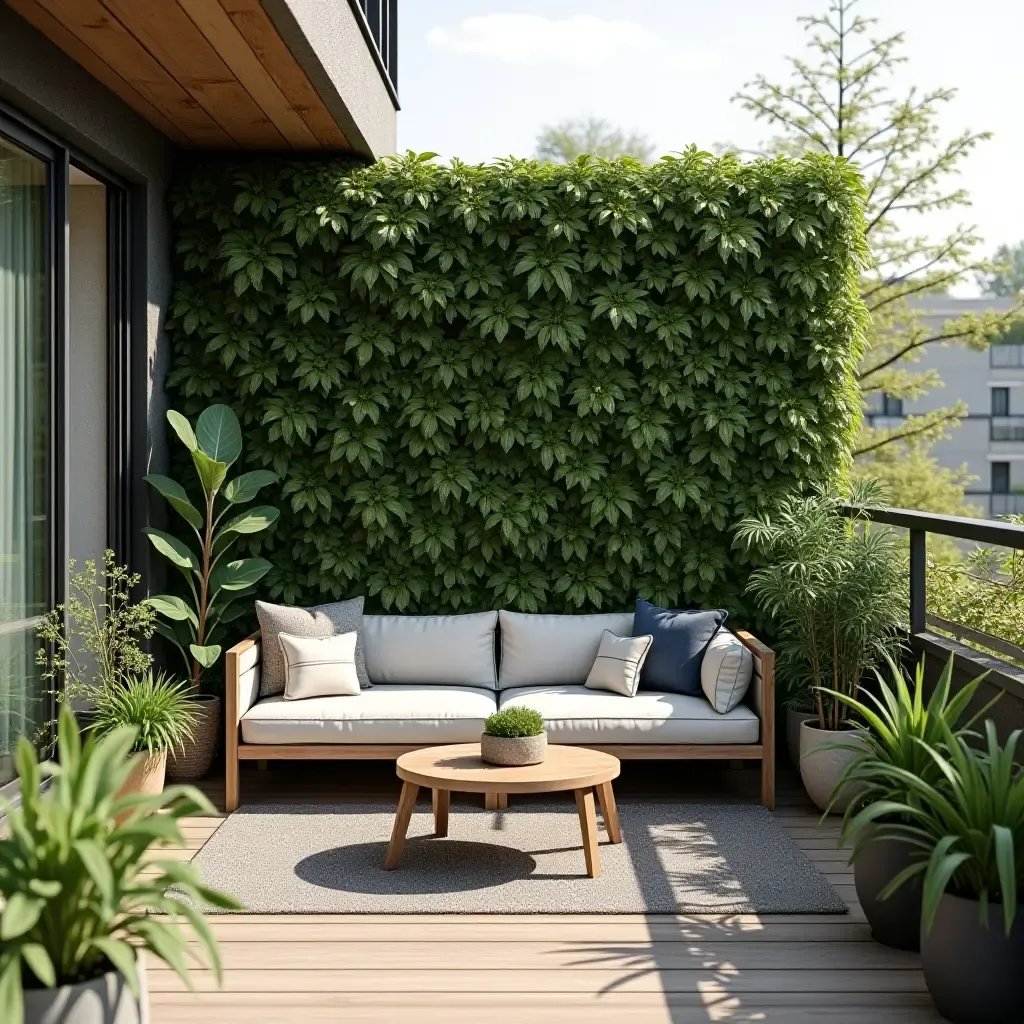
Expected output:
(236, 751)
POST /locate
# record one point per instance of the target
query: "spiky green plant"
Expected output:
(514, 722)
(77, 897)
(159, 707)
(968, 823)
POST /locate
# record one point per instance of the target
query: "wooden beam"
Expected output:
(79, 52)
(113, 44)
(171, 37)
(212, 20)
(259, 32)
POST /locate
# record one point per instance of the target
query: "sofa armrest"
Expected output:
(761, 697)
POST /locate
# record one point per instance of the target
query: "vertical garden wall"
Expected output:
(519, 384)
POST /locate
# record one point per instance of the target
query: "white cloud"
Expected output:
(584, 39)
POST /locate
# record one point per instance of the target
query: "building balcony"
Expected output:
(1007, 428)
(1006, 356)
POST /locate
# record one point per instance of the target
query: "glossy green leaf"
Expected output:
(245, 487)
(211, 472)
(218, 434)
(206, 656)
(175, 551)
(176, 498)
(183, 429)
(172, 607)
(239, 574)
(255, 520)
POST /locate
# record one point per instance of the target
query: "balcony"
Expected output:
(1006, 356)
(380, 21)
(1007, 428)
(1006, 504)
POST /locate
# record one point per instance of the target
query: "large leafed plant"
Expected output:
(521, 384)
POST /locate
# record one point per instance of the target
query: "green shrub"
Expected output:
(514, 722)
(521, 384)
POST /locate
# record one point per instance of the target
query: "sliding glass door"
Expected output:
(26, 442)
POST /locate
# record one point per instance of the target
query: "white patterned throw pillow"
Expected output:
(726, 671)
(618, 663)
(319, 666)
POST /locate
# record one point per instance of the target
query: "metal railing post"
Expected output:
(918, 578)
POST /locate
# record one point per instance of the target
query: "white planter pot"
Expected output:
(822, 768)
(104, 1000)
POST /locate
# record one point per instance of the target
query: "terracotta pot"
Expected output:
(104, 1000)
(192, 760)
(146, 777)
(972, 968)
(514, 751)
(895, 921)
(821, 769)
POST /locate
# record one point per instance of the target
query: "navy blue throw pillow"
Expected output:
(680, 639)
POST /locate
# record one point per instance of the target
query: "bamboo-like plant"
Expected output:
(216, 585)
(834, 586)
(77, 894)
(968, 823)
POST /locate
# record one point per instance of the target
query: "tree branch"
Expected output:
(892, 438)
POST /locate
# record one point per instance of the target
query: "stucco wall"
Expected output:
(40, 81)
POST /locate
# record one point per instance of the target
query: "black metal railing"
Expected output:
(919, 525)
(379, 21)
(1007, 428)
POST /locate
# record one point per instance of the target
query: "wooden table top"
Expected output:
(459, 767)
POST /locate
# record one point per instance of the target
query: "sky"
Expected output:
(479, 78)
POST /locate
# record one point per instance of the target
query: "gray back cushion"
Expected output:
(457, 650)
(543, 650)
(317, 622)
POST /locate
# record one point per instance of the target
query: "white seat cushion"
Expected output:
(386, 714)
(576, 714)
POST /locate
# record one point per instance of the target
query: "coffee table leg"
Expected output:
(406, 803)
(588, 826)
(495, 801)
(609, 811)
(442, 800)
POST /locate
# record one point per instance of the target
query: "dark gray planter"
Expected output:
(104, 1000)
(974, 973)
(514, 751)
(895, 921)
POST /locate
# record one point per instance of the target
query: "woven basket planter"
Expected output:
(192, 760)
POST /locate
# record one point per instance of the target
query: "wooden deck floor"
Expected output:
(498, 969)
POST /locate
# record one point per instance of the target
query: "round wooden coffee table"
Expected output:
(459, 767)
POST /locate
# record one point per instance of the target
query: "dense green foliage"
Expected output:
(521, 384)
(514, 722)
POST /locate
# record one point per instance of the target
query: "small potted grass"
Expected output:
(514, 737)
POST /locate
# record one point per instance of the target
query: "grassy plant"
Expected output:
(902, 729)
(78, 893)
(514, 722)
(968, 823)
(159, 707)
(835, 588)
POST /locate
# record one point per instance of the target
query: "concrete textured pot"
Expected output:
(192, 760)
(973, 969)
(514, 751)
(895, 921)
(104, 1000)
(821, 769)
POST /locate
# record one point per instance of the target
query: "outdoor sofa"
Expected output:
(435, 679)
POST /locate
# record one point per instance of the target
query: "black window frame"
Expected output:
(892, 407)
(1002, 406)
(1002, 486)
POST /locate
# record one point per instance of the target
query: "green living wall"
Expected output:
(519, 384)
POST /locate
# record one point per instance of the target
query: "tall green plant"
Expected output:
(969, 823)
(78, 893)
(835, 588)
(522, 384)
(216, 585)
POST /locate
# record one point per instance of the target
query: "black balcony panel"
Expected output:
(380, 23)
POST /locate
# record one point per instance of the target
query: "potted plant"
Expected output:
(163, 714)
(902, 726)
(217, 585)
(970, 823)
(92, 643)
(80, 894)
(835, 586)
(514, 737)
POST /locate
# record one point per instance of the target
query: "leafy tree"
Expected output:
(841, 100)
(564, 142)
(1007, 276)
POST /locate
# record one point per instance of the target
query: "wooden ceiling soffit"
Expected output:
(208, 73)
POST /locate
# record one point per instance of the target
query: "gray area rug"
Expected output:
(674, 859)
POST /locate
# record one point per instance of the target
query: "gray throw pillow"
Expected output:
(320, 621)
